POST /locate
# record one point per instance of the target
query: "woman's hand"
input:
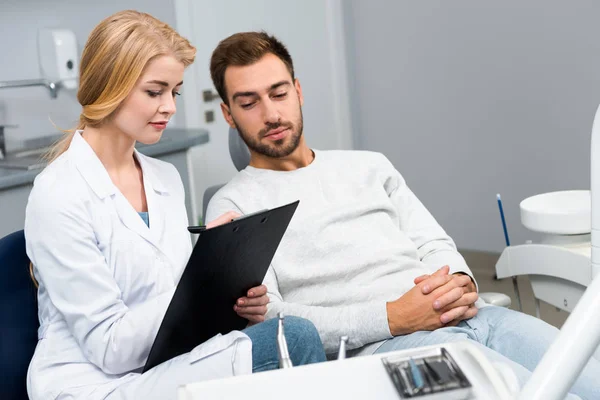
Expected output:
(254, 306)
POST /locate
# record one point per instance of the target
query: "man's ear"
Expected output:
(299, 91)
(227, 114)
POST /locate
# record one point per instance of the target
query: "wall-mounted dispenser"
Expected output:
(59, 63)
(57, 50)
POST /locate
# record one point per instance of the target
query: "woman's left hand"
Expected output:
(254, 306)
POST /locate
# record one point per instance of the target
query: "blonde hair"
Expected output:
(113, 59)
(32, 276)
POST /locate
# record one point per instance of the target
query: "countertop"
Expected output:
(172, 141)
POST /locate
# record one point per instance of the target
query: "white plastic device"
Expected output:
(57, 51)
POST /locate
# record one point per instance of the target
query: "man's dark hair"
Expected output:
(242, 49)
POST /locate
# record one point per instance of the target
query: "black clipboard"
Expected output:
(226, 261)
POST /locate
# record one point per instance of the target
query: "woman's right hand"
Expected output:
(223, 219)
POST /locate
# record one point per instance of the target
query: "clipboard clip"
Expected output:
(201, 228)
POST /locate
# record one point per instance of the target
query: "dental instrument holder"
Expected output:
(342, 349)
(580, 335)
(431, 376)
(282, 349)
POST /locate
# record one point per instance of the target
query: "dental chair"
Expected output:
(18, 317)
(240, 156)
(369, 377)
(558, 265)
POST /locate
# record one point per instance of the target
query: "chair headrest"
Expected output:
(240, 155)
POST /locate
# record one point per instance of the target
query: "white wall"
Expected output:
(31, 108)
(470, 98)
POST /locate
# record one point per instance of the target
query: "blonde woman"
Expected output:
(106, 233)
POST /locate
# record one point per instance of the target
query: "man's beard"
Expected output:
(278, 148)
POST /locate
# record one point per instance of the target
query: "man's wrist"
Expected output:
(394, 320)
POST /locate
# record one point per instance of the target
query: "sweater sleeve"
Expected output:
(435, 247)
(363, 323)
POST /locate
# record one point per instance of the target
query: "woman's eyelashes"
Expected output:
(156, 93)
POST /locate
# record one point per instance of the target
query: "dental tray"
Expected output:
(431, 375)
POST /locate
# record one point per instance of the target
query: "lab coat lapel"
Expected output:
(131, 219)
(154, 191)
(96, 176)
(157, 198)
(155, 211)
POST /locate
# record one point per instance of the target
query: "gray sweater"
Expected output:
(358, 239)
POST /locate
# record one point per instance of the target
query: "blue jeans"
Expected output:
(507, 336)
(304, 343)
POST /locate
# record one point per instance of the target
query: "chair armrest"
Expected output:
(496, 299)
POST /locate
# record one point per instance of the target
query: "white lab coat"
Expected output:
(106, 279)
